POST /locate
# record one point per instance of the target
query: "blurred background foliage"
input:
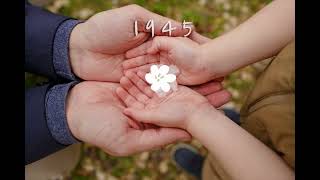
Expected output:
(211, 18)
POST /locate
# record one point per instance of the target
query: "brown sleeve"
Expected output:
(269, 113)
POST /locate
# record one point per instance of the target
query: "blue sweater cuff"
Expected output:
(56, 115)
(61, 58)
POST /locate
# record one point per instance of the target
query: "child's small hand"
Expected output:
(182, 52)
(145, 106)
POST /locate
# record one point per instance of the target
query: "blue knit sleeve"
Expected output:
(56, 113)
(61, 57)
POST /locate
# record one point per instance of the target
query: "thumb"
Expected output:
(161, 43)
(200, 39)
(150, 139)
(142, 115)
(139, 39)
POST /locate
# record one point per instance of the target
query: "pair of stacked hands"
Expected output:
(115, 108)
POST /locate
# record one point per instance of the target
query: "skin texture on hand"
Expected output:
(94, 115)
(97, 46)
(173, 110)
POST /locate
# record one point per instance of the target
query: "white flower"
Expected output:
(159, 78)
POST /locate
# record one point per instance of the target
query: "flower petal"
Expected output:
(155, 86)
(164, 69)
(149, 78)
(169, 78)
(154, 70)
(165, 87)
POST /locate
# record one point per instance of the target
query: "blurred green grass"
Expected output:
(211, 18)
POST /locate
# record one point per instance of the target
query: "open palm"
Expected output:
(170, 111)
(94, 114)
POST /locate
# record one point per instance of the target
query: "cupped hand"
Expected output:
(97, 46)
(94, 115)
(182, 52)
(173, 110)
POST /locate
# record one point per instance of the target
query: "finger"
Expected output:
(149, 116)
(219, 98)
(139, 39)
(160, 22)
(161, 43)
(142, 115)
(208, 88)
(140, 83)
(150, 126)
(128, 100)
(122, 94)
(133, 90)
(136, 41)
(142, 75)
(138, 51)
(198, 38)
(140, 126)
(151, 139)
(135, 124)
(140, 61)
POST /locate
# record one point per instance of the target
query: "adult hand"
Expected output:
(94, 115)
(98, 45)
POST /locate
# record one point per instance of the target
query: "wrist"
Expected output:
(222, 55)
(76, 50)
(61, 59)
(207, 62)
(195, 117)
(69, 108)
(56, 103)
(205, 116)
